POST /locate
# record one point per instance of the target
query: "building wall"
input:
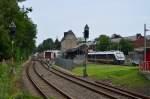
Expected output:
(68, 42)
(138, 43)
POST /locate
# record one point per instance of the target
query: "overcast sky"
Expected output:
(54, 17)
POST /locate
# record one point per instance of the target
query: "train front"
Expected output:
(120, 57)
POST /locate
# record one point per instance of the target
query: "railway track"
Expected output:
(34, 83)
(45, 88)
(74, 88)
(115, 93)
(123, 90)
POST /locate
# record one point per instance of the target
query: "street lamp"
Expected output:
(86, 36)
(12, 28)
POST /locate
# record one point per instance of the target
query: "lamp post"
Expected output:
(86, 36)
(12, 28)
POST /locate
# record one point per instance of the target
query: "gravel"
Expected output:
(74, 90)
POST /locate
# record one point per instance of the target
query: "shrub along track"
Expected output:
(99, 87)
(45, 88)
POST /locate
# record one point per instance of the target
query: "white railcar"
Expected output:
(115, 57)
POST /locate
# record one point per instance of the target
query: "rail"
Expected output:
(123, 90)
(114, 89)
(35, 84)
(59, 90)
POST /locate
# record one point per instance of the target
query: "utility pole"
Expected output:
(145, 45)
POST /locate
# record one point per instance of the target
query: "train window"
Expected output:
(89, 56)
(110, 56)
(101, 56)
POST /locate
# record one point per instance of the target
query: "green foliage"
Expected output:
(57, 44)
(25, 30)
(6, 82)
(21, 0)
(49, 44)
(126, 46)
(8, 89)
(118, 75)
(113, 36)
(103, 43)
(114, 46)
(81, 40)
(23, 95)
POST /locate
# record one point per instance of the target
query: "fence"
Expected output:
(69, 63)
(65, 63)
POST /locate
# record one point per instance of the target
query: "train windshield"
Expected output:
(120, 55)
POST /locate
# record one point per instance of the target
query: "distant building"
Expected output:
(69, 41)
(116, 40)
(131, 38)
(138, 44)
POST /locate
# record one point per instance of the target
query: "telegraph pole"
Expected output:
(145, 45)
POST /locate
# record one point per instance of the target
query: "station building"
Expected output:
(69, 41)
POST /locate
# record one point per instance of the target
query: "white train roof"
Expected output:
(106, 52)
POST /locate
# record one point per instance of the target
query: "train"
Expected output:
(113, 57)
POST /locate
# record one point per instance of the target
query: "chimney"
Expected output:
(65, 33)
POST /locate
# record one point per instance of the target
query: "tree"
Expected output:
(115, 36)
(57, 44)
(103, 43)
(126, 46)
(114, 46)
(25, 31)
(21, 0)
(39, 48)
(81, 40)
(47, 44)
(138, 35)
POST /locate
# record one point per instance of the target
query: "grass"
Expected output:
(118, 75)
(9, 83)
